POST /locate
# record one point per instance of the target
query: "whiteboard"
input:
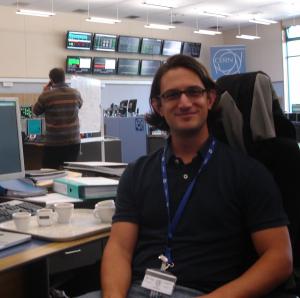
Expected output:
(89, 114)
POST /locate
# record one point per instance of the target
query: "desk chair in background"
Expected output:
(250, 119)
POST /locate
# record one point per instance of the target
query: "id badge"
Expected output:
(159, 281)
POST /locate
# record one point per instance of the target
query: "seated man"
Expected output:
(204, 213)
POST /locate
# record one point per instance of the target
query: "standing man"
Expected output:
(61, 105)
(210, 216)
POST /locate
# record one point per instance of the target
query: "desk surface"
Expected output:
(36, 249)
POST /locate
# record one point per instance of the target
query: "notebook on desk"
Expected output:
(8, 239)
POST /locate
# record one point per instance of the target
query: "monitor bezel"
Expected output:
(169, 40)
(190, 42)
(127, 52)
(121, 74)
(79, 49)
(104, 50)
(141, 67)
(160, 47)
(81, 73)
(105, 74)
(20, 174)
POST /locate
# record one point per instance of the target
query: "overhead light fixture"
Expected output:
(207, 32)
(156, 6)
(35, 13)
(262, 21)
(245, 36)
(102, 20)
(213, 14)
(159, 26)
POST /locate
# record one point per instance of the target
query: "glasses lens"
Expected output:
(171, 95)
(194, 91)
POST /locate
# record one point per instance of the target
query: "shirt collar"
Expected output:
(60, 85)
(201, 152)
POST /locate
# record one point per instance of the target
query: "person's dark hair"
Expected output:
(57, 75)
(187, 62)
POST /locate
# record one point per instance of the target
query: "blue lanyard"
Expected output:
(172, 224)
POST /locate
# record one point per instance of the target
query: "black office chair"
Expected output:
(250, 119)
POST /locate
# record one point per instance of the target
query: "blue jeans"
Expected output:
(136, 291)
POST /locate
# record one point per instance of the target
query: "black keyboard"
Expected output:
(10, 207)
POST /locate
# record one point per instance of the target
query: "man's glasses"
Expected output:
(192, 92)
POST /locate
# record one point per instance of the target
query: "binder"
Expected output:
(20, 188)
(86, 187)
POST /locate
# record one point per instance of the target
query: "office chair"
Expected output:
(249, 118)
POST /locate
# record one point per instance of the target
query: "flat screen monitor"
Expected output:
(128, 44)
(79, 40)
(11, 149)
(151, 46)
(34, 127)
(149, 67)
(128, 67)
(79, 64)
(171, 47)
(191, 49)
(104, 42)
(26, 111)
(105, 66)
(131, 108)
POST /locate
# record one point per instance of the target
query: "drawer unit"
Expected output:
(79, 256)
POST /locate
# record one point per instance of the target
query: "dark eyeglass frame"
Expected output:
(192, 92)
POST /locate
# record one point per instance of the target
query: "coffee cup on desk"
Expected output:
(46, 217)
(64, 212)
(105, 210)
(21, 220)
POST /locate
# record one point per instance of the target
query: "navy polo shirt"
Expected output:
(233, 196)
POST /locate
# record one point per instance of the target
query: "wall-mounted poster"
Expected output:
(226, 60)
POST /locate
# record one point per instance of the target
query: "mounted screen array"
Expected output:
(111, 66)
(130, 44)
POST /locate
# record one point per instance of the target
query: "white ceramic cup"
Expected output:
(64, 212)
(46, 217)
(21, 220)
(105, 210)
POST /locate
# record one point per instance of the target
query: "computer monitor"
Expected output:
(79, 40)
(131, 108)
(26, 111)
(123, 107)
(34, 127)
(105, 42)
(11, 149)
(80, 65)
(104, 66)
(171, 47)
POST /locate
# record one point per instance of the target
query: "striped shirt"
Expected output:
(60, 106)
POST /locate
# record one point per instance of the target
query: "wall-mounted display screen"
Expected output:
(104, 42)
(151, 46)
(191, 49)
(105, 66)
(79, 40)
(149, 67)
(26, 111)
(79, 64)
(171, 47)
(128, 44)
(128, 67)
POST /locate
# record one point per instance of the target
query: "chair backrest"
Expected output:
(252, 121)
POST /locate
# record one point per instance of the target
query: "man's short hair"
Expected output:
(176, 61)
(57, 75)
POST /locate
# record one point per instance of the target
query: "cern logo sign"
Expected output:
(139, 124)
(227, 60)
